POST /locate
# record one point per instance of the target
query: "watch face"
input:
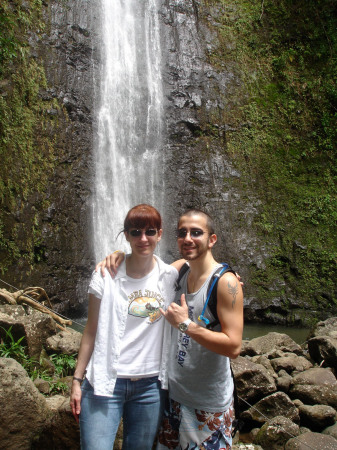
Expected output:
(182, 326)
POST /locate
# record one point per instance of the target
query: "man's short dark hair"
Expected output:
(199, 212)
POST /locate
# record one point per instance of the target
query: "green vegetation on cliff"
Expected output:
(283, 134)
(26, 148)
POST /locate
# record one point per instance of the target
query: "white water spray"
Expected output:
(128, 149)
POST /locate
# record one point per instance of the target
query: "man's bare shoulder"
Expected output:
(229, 289)
(228, 277)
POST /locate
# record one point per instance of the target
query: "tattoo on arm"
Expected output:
(233, 290)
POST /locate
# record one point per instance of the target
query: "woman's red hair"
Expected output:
(142, 216)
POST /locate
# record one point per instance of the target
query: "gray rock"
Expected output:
(317, 417)
(23, 409)
(61, 430)
(316, 376)
(283, 381)
(42, 385)
(264, 361)
(331, 431)
(312, 394)
(66, 342)
(325, 328)
(324, 349)
(253, 381)
(35, 326)
(275, 433)
(311, 440)
(277, 404)
(297, 402)
(291, 363)
(271, 342)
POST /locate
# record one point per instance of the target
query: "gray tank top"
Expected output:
(198, 378)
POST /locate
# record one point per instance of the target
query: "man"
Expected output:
(200, 409)
(200, 412)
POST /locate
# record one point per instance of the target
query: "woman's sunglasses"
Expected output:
(138, 233)
(195, 233)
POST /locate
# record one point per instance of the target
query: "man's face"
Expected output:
(193, 237)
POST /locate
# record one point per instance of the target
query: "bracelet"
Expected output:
(78, 379)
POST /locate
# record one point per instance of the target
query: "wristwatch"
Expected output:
(184, 325)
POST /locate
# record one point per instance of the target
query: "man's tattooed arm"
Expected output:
(233, 291)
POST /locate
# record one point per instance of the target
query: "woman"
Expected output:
(121, 354)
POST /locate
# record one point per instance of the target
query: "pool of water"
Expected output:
(253, 330)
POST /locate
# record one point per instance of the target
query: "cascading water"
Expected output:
(128, 154)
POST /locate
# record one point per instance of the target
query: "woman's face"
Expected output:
(143, 241)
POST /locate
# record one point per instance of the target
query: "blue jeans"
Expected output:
(141, 405)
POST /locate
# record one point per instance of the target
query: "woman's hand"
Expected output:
(111, 263)
(75, 399)
(239, 278)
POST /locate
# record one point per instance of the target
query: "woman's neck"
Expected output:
(139, 267)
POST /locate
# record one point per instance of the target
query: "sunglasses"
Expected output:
(138, 233)
(194, 233)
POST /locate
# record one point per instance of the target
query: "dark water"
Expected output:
(253, 330)
(250, 331)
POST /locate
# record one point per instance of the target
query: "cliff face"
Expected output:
(200, 172)
(54, 221)
(208, 161)
(69, 53)
(240, 121)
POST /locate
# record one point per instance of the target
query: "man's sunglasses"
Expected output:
(138, 233)
(195, 233)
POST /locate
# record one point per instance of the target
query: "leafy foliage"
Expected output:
(64, 364)
(282, 136)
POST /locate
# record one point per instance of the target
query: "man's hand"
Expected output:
(176, 314)
(111, 263)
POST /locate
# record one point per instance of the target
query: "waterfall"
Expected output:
(128, 145)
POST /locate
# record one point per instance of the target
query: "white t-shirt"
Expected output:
(141, 344)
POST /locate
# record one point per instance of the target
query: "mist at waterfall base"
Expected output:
(127, 147)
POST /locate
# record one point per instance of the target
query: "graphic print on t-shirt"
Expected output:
(145, 304)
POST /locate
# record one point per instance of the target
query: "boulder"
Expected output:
(277, 404)
(316, 376)
(311, 440)
(42, 385)
(66, 342)
(264, 361)
(325, 328)
(314, 394)
(291, 363)
(283, 381)
(253, 381)
(269, 343)
(34, 325)
(323, 349)
(61, 432)
(317, 417)
(275, 433)
(23, 409)
(331, 431)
